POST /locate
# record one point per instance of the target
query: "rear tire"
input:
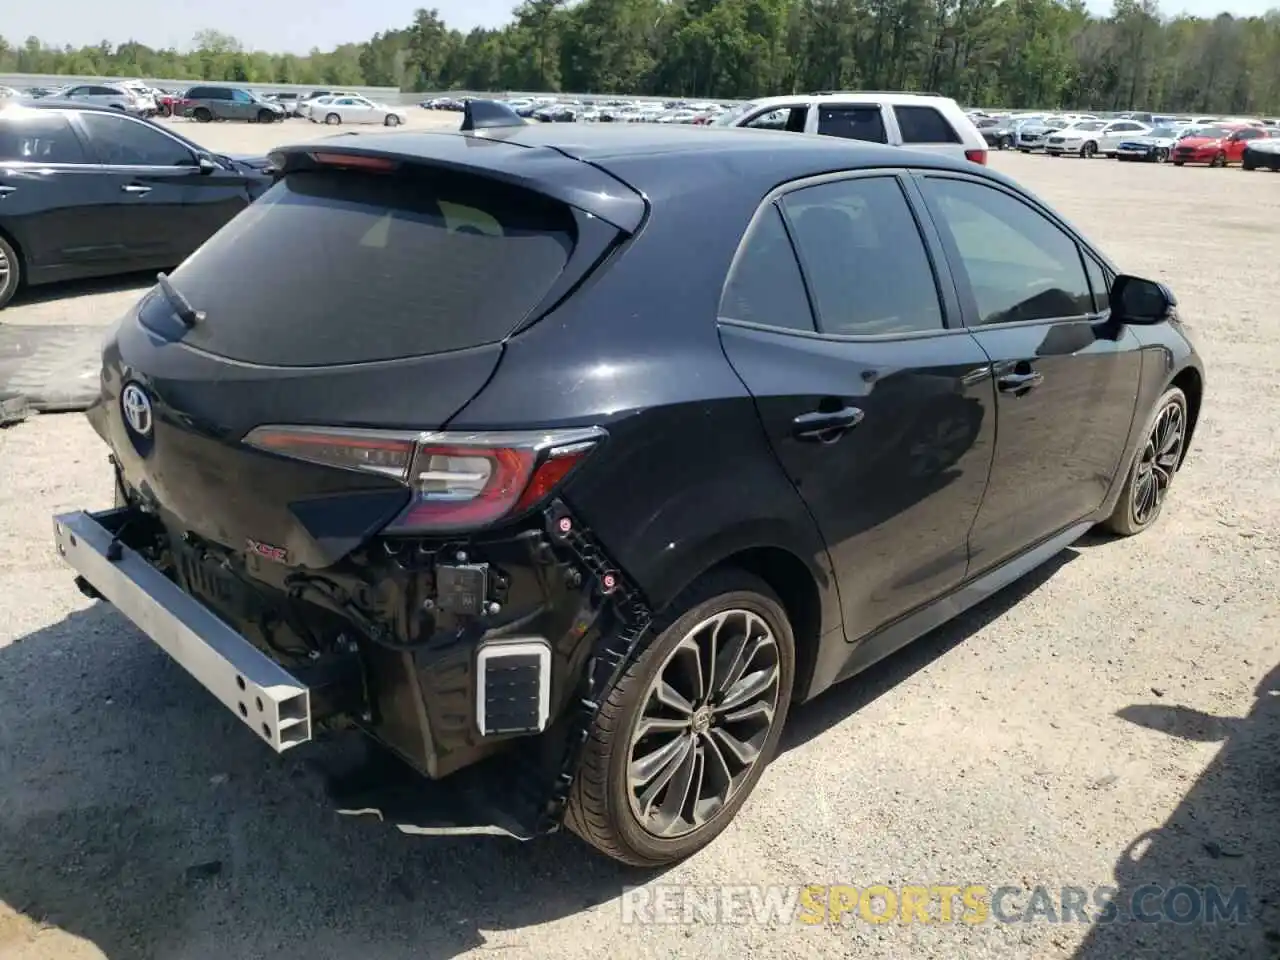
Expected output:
(1154, 466)
(201, 115)
(333, 120)
(1220, 160)
(1178, 163)
(10, 272)
(622, 801)
(1246, 163)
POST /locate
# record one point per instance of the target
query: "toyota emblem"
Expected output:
(136, 407)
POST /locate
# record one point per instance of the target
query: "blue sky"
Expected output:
(286, 25)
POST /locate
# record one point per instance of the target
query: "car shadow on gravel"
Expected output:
(814, 718)
(1206, 883)
(68, 289)
(137, 814)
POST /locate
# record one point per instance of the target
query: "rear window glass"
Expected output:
(924, 125)
(333, 267)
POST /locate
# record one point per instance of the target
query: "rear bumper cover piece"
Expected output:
(265, 696)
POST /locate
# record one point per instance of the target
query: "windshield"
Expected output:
(1214, 133)
(1088, 125)
(733, 113)
(1165, 133)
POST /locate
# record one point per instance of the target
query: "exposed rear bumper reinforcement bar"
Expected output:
(265, 696)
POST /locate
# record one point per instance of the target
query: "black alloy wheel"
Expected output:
(682, 739)
(1154, 467)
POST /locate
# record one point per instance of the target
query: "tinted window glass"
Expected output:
(343, 267)
(775, 120)
(1251, 134)
(1020, 265)
(852, 123)
(765, 285)
(45, 137)
(119, 140)
(197, 93)
(1099, 282)
(104, 92)
(924, 125)
(864, 258)
(241, 97)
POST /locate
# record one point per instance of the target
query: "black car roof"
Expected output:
(657, 161)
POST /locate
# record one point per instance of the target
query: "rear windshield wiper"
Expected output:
(188, 314)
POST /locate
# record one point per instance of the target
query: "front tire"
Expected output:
(684, 736)
(1154, 467)
(1220, 160)
(266, 116)
(391, 121)
(10, 272)
(1162, 154)
(1089, 150)
(1005, 143)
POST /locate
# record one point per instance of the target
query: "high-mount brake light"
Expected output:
(354, 161)
(459, 480)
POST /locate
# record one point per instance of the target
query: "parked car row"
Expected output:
(1156, 138)
(549, 109)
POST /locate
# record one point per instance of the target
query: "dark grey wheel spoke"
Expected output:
(1158, 462)
(704, 722)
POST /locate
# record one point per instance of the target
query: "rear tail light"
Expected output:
(459, 481)
(976, 156)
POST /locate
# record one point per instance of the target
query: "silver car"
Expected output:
(104, 95)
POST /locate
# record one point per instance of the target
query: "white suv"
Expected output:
(916, 121)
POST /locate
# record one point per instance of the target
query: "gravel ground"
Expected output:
(1111, 720)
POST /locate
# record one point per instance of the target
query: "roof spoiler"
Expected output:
(488, 115)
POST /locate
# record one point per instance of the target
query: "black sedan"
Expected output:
(998, 132)
(1262, 154)
(89, 192)
(566, 543)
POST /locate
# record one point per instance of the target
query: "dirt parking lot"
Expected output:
(1111, 721)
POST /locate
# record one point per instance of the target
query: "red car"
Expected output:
(1217, 145)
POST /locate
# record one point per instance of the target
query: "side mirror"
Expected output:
(206, 165)
(1138, 301)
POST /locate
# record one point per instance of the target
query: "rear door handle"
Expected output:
(823, 426)
(1019, 383)
(136, 189)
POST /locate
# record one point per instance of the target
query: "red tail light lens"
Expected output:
(976, 156)
(459, 481)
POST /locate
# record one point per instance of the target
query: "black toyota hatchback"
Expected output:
(561, 461)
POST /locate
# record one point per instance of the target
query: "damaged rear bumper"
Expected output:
(266, 697)
(501, 712)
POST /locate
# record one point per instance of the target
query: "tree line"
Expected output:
(1004, 53)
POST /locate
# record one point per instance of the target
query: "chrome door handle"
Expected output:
(5, 191)
(135, 189)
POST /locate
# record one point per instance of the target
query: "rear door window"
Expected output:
(332, 267)
(765, 285)
(863, 256)
(853, 122)
(44, 137)
(924, 125)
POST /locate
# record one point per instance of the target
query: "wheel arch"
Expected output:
(1191, 383)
